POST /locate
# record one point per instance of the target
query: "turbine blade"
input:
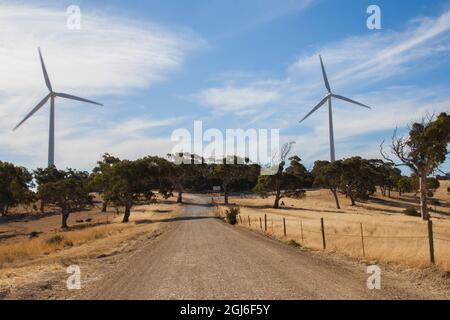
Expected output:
(325, 78)
(69, 96)
(321, 103)
(38, 106)
(350, 100)
(44, 70)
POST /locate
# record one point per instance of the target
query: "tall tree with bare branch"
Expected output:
(422, 151)
(274, 183)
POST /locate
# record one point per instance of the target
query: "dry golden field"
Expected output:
(389, 236)
(25, 260)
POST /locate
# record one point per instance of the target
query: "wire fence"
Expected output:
(358, 239)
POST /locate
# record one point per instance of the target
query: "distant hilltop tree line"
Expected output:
(124, 183)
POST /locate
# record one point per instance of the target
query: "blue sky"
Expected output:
(160, 65)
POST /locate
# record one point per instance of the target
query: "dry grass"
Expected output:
(28, 266)
(389, 236)
(47, 244)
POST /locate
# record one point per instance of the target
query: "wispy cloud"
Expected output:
(239, 100)
(256, 14)
(360, 67)
(380, 56)
(110, 56)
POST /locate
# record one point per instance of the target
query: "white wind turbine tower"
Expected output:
(328, 97)
(52, 95)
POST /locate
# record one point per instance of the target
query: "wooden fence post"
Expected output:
(430, 240)
(284, 226)
(249, 224)
(272, 224)
(240, 219)
(260, 223)
(265, 222)
(323, 234)
(301, 229)
(362, 241)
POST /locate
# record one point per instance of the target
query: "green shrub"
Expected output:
(56, 239)
(411, 212)
(232, 214)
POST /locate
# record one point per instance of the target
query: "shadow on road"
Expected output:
(146, 221)
(196, 204)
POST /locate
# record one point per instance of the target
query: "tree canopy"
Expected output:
(15, 184)
(423, 150)
(70, 192)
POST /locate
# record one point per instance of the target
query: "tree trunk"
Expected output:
(42, 205)
(334, 192)
(225, 194)
(4, 209)
(276, 204)
(104, 206)
(180, 196)
(352, 200)
(423, 196)
(64, 217)
(383, 191)
(389, 192)
(126, 216)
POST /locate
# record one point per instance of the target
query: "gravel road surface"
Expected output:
(201, 257)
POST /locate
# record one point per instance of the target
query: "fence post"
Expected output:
(323, 234)
(249, 224)
(362, 240)
(430, 240)
(240, 219)
(301, 229)
(260, 223)
(265, 222)
(284, 226)
(272, 225)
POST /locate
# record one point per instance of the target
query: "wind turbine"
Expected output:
(327, 98)
(52, 95)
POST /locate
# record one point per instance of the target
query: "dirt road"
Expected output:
(201, 257)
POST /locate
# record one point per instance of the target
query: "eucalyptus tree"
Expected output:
(15, 184)
(69, 192)
(423, 150)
